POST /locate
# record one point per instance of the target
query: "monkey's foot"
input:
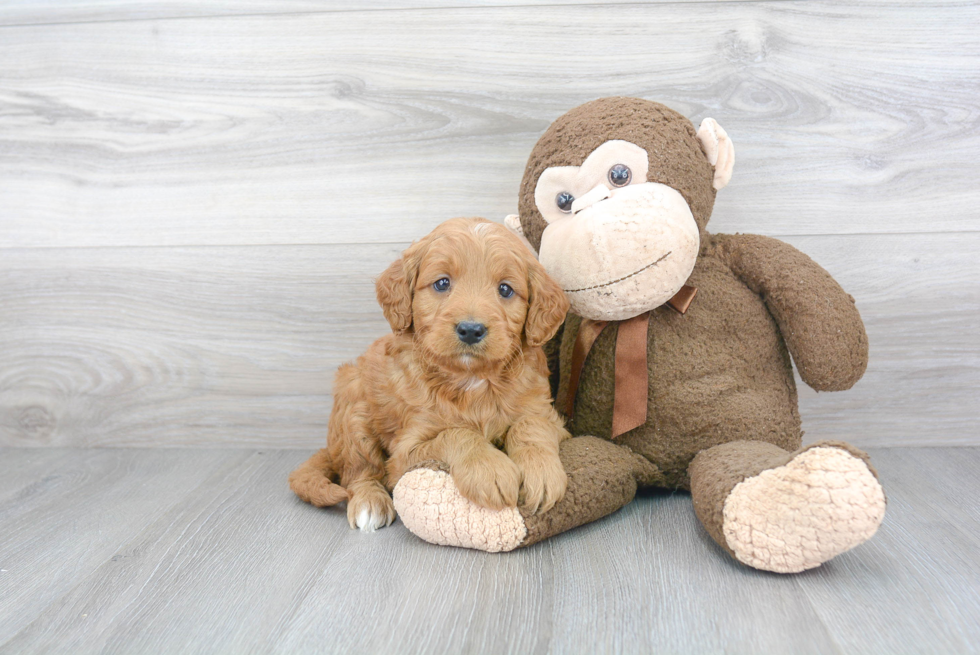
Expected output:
(431, 507)
(602, 477)
(797, 516)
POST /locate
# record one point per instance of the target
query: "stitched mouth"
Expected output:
(625, 277)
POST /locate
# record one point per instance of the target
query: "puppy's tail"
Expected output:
(313, 481)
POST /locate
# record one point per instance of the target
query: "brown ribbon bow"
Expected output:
(631, 369)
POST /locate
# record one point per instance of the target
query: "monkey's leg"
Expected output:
(786, 512)
(602, 477)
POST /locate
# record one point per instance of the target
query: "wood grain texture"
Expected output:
(233, 346)
(48, 12)
(240, 565)
(880, 602)
(23, 471)
(656, 582)
(374, 126)
(238, 345)
(74, 512)
(920, 300)
(207, 576)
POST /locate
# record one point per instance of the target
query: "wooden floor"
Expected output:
(186, 551)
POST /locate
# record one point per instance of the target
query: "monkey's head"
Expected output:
(616, 197)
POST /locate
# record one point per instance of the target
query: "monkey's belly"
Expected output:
(688, 417)
(720, 373)
(694, 417)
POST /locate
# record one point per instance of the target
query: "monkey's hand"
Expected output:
(817, 318)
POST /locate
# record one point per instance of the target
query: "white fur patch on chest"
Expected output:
(472, 384)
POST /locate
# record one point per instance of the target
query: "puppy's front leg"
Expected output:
(482, 473)
(370, 506)
(532, 442)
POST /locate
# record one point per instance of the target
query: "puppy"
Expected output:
(462, 380)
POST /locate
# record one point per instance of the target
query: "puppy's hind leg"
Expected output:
(370, 506)
(312, 481)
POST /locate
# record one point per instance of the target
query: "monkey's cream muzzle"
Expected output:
(598, 194)
(622, 252)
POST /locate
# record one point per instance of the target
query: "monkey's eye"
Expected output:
(505, 290)
(619, 175)
(564, 201)
(441, 284)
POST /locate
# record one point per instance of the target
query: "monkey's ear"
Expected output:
(547, 306)
(719, 149)
(513, 223)
(394, 290)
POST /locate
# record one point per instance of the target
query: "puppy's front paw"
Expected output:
(369, 509)
(488, 478)
(544, 482)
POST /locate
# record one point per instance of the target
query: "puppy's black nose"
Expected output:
(469, 332)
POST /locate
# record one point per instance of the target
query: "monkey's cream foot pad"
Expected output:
(797, 516)
(431, 507)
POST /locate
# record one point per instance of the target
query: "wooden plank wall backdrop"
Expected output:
(194, 197)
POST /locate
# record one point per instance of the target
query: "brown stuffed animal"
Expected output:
(676, 352)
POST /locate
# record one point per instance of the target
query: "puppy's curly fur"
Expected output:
(423, 393)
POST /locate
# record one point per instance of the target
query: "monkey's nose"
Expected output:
(471, 333)
(600, 192)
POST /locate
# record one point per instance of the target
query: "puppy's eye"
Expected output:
(442, 284)
(505, 290)
(564, 201)
(619, 175)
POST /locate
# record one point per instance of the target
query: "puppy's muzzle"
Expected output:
(471, 333)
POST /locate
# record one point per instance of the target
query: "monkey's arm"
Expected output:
(818, 319)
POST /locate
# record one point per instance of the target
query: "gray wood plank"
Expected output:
(366, 126)
(650, 579)
(941, 481)
(415, 597)
(25, 471)
(220, 573)
(233, 346)
(915, 587)
(921, 307)
(48, 12)
(77, 512)
(242, 566)
(238, 346)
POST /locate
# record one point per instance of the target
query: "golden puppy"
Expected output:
(462, 376)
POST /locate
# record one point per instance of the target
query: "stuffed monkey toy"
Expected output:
(673, 368)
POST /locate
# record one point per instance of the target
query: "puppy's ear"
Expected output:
(547, 305)
(394, 291)
(395, 287)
